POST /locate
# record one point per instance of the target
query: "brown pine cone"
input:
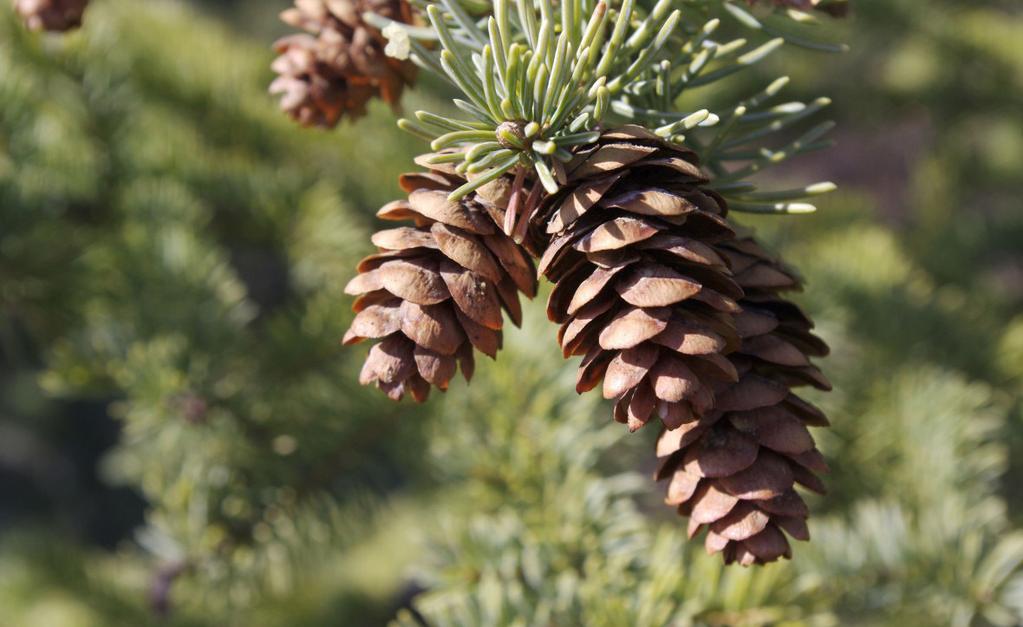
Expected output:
(51, 15)
(339, 65)
(436, 289)
(640, 290)
(734, 470)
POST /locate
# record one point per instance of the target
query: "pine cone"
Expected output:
(734, 470)
(436, 289)
(340, 65)
(640, 290)
(836, 8)
(51, 15)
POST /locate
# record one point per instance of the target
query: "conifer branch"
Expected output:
(536, 81)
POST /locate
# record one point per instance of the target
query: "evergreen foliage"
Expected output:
(172, 255)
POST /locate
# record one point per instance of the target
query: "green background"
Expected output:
(173, 396)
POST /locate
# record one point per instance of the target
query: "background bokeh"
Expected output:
(183, 442)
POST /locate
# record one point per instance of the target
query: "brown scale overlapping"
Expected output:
(733, 472)
(640, 291)
(436, 288)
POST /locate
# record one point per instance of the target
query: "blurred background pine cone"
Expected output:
(51, 15)
(338, 64)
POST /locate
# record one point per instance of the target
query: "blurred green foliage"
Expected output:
(182, 442)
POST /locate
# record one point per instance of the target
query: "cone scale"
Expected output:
(639, 290)
(734, 472)
(438, 289)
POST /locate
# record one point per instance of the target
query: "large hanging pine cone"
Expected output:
(340, 65)
(640, 291)
(436, 289)
(51, 15)
(734, 470)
